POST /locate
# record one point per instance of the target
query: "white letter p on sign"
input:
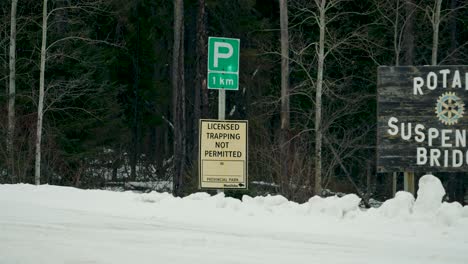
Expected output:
(218, 54)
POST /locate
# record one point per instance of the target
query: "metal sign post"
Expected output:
(221, 113)
(223, 144)
(221, 104)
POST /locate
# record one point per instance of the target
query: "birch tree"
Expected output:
(398, 15)
(310, 53)
(318, 15)
(322, 23)
(40, 104)
(436, 15)
(70, 89)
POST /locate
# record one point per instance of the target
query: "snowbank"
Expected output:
(202, 206)
(94, 226)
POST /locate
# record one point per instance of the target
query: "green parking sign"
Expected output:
(223, 63)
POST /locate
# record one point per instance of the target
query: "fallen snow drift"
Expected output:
(50, 224)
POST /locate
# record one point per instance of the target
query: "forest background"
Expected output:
(116, 89)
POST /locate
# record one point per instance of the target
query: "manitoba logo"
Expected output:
(449, 108)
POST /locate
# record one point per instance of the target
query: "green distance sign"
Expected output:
(223, 63)
(228, 81)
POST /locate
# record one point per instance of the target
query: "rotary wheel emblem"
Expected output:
(449, 108)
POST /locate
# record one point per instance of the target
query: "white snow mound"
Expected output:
(334, 206)
(430, 195)
(449, 213)
(400, 206)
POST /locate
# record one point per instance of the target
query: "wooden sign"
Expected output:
(422, 122)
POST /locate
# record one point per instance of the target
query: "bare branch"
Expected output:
(93, 41)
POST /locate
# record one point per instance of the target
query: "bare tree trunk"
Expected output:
(453, 31)
(435, 31)
(285, 113)
(62, 16)
(40, 106)
(200, 87)
(12, 93)
(318, 100)
(175, 92)
(408, 41)
(396, 43)
(178, 94)
(202, 38)
(369, 179)
(5, 64)
(136, 75)
(183, 121)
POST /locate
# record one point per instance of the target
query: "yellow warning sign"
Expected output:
(223, 154)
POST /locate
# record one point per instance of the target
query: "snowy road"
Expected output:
(63, 225)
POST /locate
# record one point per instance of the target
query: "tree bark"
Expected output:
(7, 70)
(136, 82)
(202, 37)
(435, 31)
(183, 120)
(12, 93)
(200, 108)
(178, 95)
(408, 41)
(396, 44)
(318, 100)
(453, 31)
(40, 108)
(285, 113)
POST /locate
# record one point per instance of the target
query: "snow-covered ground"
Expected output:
(50, 224)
